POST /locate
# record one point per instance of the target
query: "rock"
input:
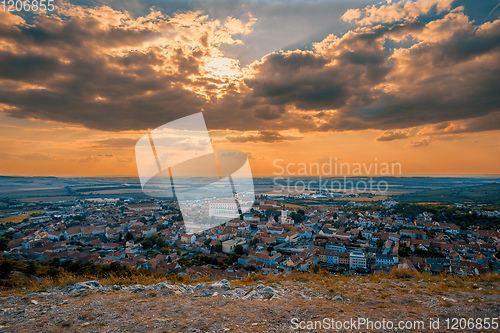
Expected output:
(254, 294)
(137, 288)
(268, 290)
(40, 294)
(187, 289)
(34, 302)
(161, 285)
(260, 292)
(224, 284)
(235, 293)
(446, 299)
(82, 286)
(200, 287)
(338, 298)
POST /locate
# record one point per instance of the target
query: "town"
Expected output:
(275, 236)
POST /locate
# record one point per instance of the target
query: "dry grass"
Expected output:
(436, 284)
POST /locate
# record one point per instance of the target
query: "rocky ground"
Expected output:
(222, 306)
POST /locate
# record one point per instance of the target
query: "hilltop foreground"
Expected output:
(251, 305)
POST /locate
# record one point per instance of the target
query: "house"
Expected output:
(386, 259)
(54, 235)
(335, 247)
(144, 207)
(415, 234)
(266, 238)
(110, 246)
(267, 258)
(75, 232)
(188, 238)
(229, 245)
(328, 256)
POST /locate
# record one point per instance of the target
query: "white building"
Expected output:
(229, 245)
(223, 209)
(284, 218)
(357, 259)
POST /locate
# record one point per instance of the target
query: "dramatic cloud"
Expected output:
(105, 69)
(450, 72)
(393, 135)
(263, 136)
(115, 143)
(396, 11)
(419, 143)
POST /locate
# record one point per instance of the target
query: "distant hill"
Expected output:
(480, 194)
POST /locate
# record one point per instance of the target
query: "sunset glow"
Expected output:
(415, 82)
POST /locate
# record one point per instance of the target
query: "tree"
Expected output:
(217, 247)
(207, 242)
(233, 257)
(147, 244)
(254, 241)
(6, 268)
(129, 236)
(297, 217)
(165, 250)
(4, 244)
(31, 268)
(238, 249)
(315, 268)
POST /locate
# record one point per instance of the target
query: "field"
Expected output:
(482, 194)
(13, 219)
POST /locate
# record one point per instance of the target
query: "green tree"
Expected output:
(315, 268)
(4, 244)
(129, 236)
(6, 268)
(217, 247)
(238, 250)
(32, 267)
(147, 244)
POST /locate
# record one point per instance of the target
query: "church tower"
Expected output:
(284, 214)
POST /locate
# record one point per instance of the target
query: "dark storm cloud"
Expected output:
(111, 73)
(81, 79)
(444, 80)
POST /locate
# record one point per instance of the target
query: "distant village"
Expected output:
(273, 237)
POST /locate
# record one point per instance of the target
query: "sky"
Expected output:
(409, 82)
